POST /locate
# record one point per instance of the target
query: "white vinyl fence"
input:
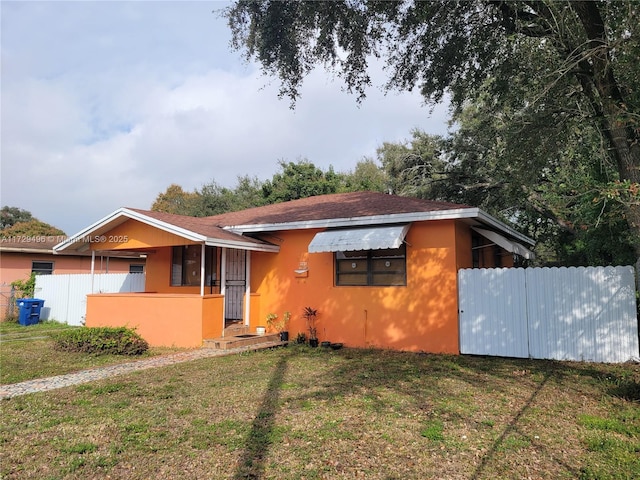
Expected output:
(583, 314)
(65, 296)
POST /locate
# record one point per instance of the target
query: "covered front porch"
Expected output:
(170, 319)
(197, 278)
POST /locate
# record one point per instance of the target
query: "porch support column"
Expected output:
(202, 264)
(93, 267)
(247, 288)
(223, 285)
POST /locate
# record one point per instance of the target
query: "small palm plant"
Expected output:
(311, 317)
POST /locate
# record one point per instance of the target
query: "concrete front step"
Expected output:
(246, 340)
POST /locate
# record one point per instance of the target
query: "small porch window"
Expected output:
(185, 266)
(384, 267)
(136, 268)
(42, 268)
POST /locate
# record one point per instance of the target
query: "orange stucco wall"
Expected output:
(157, 244)
(17, 266)
(421, 316)
(159, 275)
(132, 234)
(255, 317)
(161, 319)
(464, 258)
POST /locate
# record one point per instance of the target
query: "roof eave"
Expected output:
(77, 242)
(113, 220)
(494, 222)
(254, 247)
(356, 221)
(453, 214)
(44, 251)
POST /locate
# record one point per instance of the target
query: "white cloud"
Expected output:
(145, 95)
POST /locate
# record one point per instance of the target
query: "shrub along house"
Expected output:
(380, 269)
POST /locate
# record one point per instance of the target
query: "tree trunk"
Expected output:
(617, 123)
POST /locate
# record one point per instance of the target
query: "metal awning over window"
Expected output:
(508, 245)
(373, 238)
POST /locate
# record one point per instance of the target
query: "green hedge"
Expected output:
(101, 341)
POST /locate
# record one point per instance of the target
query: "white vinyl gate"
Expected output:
(584, 314)
(65, 296)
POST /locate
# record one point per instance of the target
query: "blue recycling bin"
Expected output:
(29, 310)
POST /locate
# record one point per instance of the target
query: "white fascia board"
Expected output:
(214, 242)
(357, 221)
(83, 233)
(494, 222)
(167, 227)
(25, 250)
(128, 214)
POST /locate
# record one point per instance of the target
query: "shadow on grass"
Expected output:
(423, 378)
(512, 427)
(251, 463)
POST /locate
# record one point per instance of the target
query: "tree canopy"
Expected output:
(468, 167)
(17, 222)
(12, 215)
(300, 180)
(552, 71)
(293, 180)
(471, 167)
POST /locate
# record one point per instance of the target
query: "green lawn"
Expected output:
(26, 353)
(301, 413)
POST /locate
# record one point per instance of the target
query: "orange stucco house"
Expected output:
(380, 269)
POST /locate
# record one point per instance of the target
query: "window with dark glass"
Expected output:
(186, 266)
(497, 256)
(136, 268)
(42, 268)
(386, 267)
(475, 250)
(482, 253)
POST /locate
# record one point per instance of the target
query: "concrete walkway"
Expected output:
(99, 373)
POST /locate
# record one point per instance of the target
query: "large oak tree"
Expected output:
(584, 53)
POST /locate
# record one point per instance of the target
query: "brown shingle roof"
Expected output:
(321, 207)
(200, 225)
(333, 206)
(335, 209)
(31, 242)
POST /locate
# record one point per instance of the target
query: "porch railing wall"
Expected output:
(65, 296)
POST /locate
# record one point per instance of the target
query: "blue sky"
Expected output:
(105, 104)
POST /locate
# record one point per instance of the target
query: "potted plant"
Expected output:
(311, 317)
(280, 324)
